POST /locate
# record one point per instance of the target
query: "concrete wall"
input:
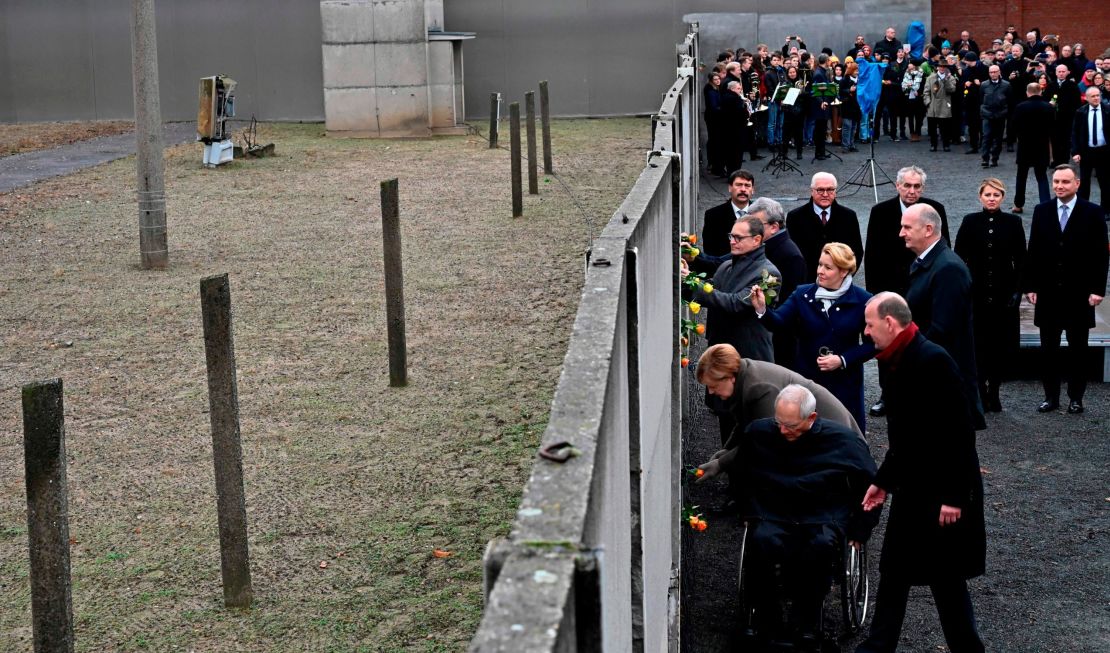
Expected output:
(602, 57)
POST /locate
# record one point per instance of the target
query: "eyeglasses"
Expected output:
(824, 191)
(789, 427)
(735, 239)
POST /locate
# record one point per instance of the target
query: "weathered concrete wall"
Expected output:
(375, 62)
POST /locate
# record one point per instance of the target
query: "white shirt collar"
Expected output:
(817, 210)
(903, 205)
(927, 250)
(739, 211)
(1070, 205)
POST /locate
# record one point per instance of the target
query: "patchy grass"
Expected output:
(339, 467)
(30, 136)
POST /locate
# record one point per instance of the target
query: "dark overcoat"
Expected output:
(939, 296)
(1034, 121)
(840, 330)
(784, 254)
(931, 461)
(993, 247)
(1065, 268)
(731, 317)
(716, 228)
(810, 235)
(818, 478)
(888, 258)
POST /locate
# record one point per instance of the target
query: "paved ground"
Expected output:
(21, 170)
(1048, 504)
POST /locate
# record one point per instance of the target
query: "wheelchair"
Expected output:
(849, 606)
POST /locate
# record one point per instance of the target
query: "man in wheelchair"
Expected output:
(800, 481)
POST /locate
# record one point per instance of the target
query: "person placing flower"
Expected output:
(827, 318)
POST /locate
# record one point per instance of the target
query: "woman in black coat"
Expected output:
(794, 115)
(992, 244)
(712, 95)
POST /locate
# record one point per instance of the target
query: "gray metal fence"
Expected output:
(592, 561)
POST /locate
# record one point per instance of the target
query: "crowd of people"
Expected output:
(784, 371)
(1037, 94)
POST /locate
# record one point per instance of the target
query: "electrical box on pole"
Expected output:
(217, 104)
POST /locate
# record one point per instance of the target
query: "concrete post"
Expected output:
(545, 120)
(153, 248)
(494, 109)
(47, 517)
(514, 136)
(227, 452)
(530, 130)
(394, 284)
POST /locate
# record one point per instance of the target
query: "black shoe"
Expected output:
(1075, 407)
(932, 148)
(994, 164)
(1048, 406)
(853, 149)
(986, 164)
(971, 152)
(878, 409)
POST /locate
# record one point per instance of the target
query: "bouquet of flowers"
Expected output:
(769, 284)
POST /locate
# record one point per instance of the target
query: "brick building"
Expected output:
(988, 19)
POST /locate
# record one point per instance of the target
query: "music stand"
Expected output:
(858, 179)
(780, 162)
(822, 91)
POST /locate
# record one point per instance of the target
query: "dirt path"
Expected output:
(25, 168)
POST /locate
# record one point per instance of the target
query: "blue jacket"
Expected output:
(840, 331)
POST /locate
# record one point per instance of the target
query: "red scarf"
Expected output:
(892, 353)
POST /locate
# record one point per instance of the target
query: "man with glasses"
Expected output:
(888, 259)
(799, 482)
(731, 317)
(821, 221)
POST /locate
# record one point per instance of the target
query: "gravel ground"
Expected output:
(1047, 495)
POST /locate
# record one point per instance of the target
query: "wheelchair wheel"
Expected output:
(855, 589)
(747, 612)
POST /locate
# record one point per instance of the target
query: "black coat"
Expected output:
(819, 478)
(1063, 269)
(810, 235)
(993, 247)
(849, 104)
(783, 253)
(939, 295)
(716, 228)
(888, 259)
(731, 317)
(931, 461)
(1034, 121)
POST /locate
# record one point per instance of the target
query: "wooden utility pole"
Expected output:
(514, 150)
(545, 123)
(153, 247)
(530, 130)
(394, 284)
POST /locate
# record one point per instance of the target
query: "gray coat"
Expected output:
(996, 99)
(731, 316)
(938, 96)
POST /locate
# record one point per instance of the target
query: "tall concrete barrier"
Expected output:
(592, 562)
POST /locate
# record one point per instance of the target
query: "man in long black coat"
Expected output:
(1091, 149)
(811, 231)
(939, 295)
(888, 260)
(784, 254)
(1065, 279)
(1064, 93)
(800, 482)
(1034, 122)
(935, 534)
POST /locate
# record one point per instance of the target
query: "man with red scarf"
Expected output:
(935, 534)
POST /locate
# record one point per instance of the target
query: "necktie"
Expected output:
(1063, 217)
(1094, 126)
(824, 217)
(916, 264)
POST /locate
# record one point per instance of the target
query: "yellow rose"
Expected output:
(694, 251)
(695, 307)
(707, 288)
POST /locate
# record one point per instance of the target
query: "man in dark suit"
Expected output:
(888, 260)
(1064, 93)
(939, 295)
(1090, 146)
(1034, 122)
(1065, 279)
(784, 254)
(935, 532)
(821, 221)
(720, 218)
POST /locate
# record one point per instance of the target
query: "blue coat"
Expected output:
(840, 331)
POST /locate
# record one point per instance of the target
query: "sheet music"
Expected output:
(792, 97)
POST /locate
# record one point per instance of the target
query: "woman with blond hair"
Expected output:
(827, 319)
(992, 244)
